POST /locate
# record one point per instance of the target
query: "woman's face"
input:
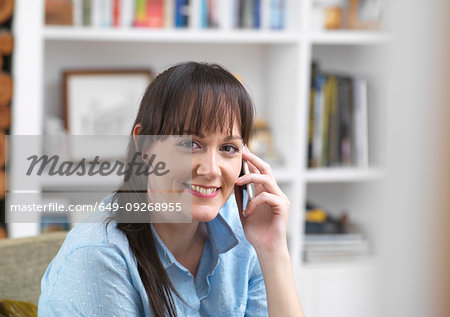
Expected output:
(203, 171)
(216, 164)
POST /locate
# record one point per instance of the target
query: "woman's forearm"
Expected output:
(282, 297)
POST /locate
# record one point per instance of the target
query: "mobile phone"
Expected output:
(249, 186)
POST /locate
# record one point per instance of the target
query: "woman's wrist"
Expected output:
(271, 253)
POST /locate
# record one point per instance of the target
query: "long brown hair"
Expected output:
(205, 98)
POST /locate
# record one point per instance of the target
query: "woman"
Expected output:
(222, 263)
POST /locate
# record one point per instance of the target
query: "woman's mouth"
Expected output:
(202, 191)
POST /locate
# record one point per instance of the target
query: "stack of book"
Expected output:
(338, 131)
(252, 14)
(342, 247)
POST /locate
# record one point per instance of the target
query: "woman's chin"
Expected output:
(204, 214)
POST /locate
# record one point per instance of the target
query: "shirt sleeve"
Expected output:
(91, 281)
(256, 300)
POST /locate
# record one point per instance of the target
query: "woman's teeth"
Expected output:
(203, 190)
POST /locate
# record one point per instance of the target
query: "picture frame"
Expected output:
(364, 14)
(102, 102)
(103, 105)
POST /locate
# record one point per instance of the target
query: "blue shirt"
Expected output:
(95, 274)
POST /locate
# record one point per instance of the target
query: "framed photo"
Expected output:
(103, 105)
(365, 14)
(103, 102)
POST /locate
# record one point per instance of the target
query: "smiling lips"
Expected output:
(203, 191)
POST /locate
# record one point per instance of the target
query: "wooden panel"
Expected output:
(6, 89)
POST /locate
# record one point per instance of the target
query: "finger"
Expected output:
(257, 162)
(253, 168)
(274, 201)
(267, 181)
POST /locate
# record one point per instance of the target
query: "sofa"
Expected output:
(23, 263)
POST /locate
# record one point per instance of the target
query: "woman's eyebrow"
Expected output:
(228, 138)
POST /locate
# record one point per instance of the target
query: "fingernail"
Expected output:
(244, 214)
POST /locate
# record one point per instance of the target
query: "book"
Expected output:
(213, 10)
(225, 12)
(169, 13)
(361, 149)
(181, 13)
(335, 247)
(345, 124)
(332, 237)
(155, 13)
(277, 14)
(325, 121)
(87, 15)
(265, 14)
(318, 121)
(196, 14)
(333, 121)
(126, 14)
(96, 13)
(77, 12)
(338, 132)
(140, 15)
(246, 14)
(106, 13)
(116, 10)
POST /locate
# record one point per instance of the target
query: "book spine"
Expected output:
(351, 126)
(265, 14)
(127, 13)
(77, 12)
(155, 13)
(345, 126)
(181, 13)
(360, 123)
(325, 121)
(203, 14)
(194, 14)
(311, 127)
(116, 12)
(213, 13)
(87, 12)
(235, 14)
(256, 14)
(277, 14)
(333, 133)
(364, 125)
(140, 13)
(169, 13)
(318, 121)
(225, 16)
(247, 14)
(107, 13)
(96, 13)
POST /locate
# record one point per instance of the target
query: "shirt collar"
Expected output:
(220, 234)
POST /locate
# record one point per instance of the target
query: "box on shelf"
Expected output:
(58, 12)
(330, 239)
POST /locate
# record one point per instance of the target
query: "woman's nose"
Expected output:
(209, 165)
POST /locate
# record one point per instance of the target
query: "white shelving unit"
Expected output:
(274, 66)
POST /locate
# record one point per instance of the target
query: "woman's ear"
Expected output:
(136, 130)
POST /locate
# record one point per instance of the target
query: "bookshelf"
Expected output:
(275, 66)
(57, 33)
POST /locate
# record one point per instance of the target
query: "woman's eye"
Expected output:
(189, 145)
(230, 149)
